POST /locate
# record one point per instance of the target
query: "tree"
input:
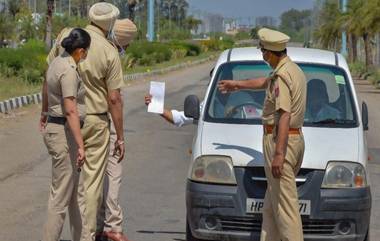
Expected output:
(361, 20)
(370, 24)
(174, 10)
(351, 22)
(253, 34)
(14, 7)
(6, 28)
(329, 31)
(295, 22)
(131, 8)
(49, 19)
(192, 23)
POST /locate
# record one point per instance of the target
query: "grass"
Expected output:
(12, 87)
(142, 69)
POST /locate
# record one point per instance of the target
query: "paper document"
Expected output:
(157, 91)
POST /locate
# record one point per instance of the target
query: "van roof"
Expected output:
(301, 55)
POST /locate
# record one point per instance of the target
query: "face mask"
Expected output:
(111, 33)
(267, 62)
(122, 52)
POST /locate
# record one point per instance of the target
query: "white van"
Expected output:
(226, 182)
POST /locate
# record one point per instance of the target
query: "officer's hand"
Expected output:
(225, 86)
(148, 99)
(42, 123)
(81, 157)
(119, 150)
(278, 165)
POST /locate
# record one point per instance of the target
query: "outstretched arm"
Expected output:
(232, 85)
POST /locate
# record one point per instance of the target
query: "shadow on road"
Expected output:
(158, 232)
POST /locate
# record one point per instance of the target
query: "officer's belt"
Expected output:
(268, 129)
(61, 120)
(101, 114)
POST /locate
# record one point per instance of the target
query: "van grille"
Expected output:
(258, 174)
(247, 224)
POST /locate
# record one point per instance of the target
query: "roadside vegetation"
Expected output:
(24, 46)
(361, 22)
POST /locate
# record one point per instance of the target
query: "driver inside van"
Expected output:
(318, 105)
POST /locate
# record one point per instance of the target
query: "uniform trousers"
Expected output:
(110, 217)
(66, 190)
(96, 137)
(281, 217)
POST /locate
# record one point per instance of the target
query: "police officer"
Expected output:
(62, 135)
(283, 142)
(103, 79)
(110, 217)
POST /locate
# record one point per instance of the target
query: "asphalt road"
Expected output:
(153, 191)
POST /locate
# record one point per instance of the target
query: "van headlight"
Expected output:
(213, 169)
(344, 175)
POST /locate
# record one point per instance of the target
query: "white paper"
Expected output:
(157, 91)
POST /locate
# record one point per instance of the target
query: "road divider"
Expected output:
(17, 102)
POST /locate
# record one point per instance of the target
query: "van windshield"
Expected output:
(329, 99)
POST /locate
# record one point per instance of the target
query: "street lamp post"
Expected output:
(343, 51)
(151, 20)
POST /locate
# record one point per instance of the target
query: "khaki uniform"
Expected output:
(287, 91)
(65, 191)
(101, 72)
(110, 217)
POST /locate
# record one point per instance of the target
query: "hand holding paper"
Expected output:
(157, 91)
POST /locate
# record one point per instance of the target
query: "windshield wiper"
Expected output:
(333, 121)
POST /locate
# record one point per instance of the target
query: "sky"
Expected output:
(249, 8)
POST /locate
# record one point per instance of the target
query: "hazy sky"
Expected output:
(249, 8)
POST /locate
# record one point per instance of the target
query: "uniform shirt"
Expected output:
(101, 71)
(179, 118)
(63, 81)
(287, 91)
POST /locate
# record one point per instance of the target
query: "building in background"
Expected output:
(212, 23)
(230, 26)
(266, 21)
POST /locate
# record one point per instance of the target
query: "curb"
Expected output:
(17, 102)
(167, 69)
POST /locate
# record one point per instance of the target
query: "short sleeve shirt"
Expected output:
(63, 81)
(101, 71)
(286, 91)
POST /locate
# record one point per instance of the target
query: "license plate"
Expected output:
(256, 206)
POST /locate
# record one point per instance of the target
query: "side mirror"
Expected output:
(211, 72)
(365, 116)
(191, 107)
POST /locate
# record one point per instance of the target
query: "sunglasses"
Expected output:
(261, 47)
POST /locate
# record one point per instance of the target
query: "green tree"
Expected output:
(253, 33)
(295, 22)
(14, 7)
(192, 23)
(6, 28)
(369, 26)
(49, 20)
(174, 10)
(328, 33)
